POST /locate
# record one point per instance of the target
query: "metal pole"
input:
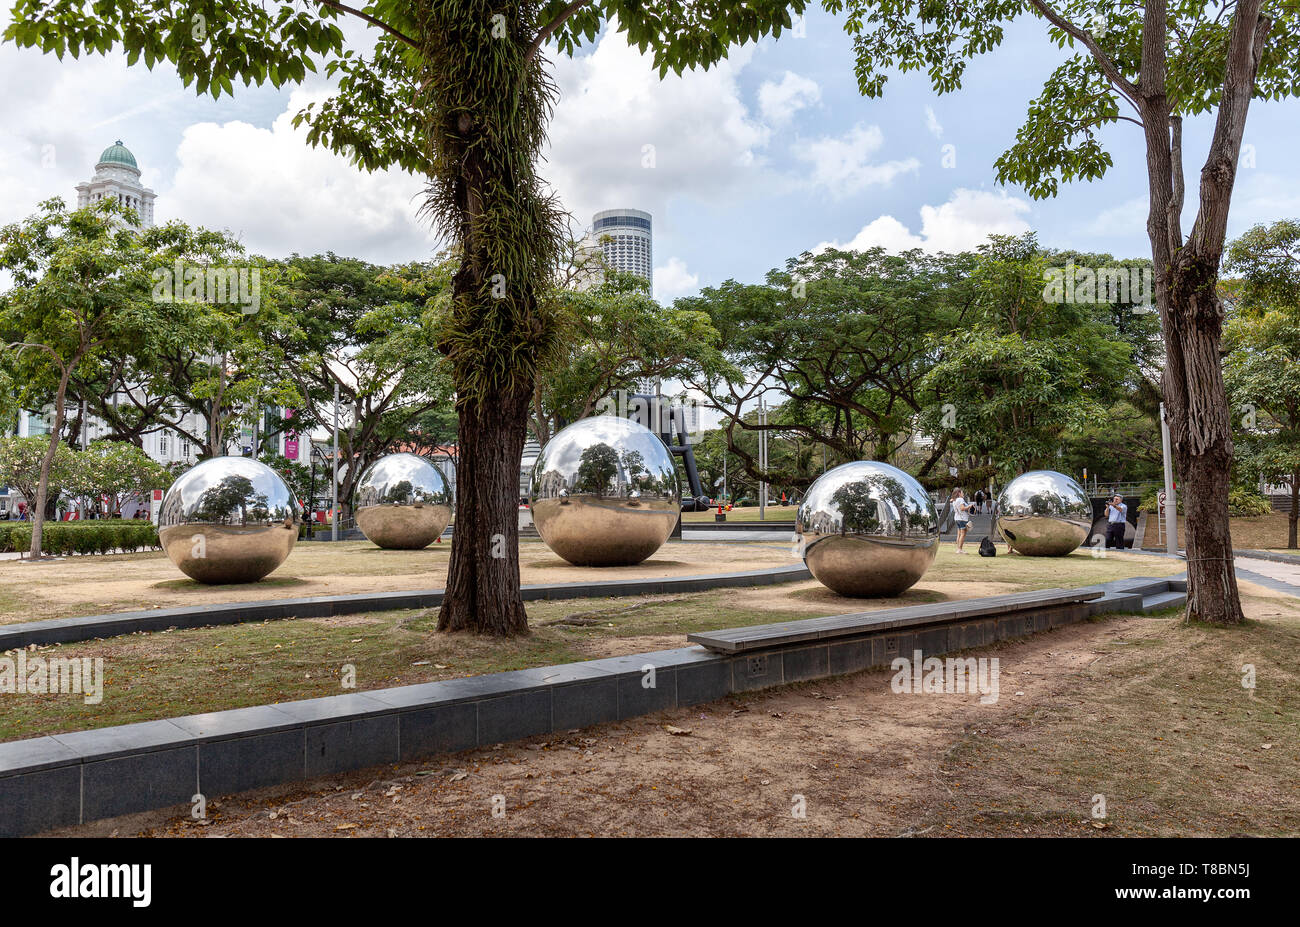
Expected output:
(724, 475)
(762, 460)
(1171, 501)
(334, 522)
(311, 493)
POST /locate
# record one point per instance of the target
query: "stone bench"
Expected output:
(767, 636)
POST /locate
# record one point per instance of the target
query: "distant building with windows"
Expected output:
(118, 176)
(626, 239)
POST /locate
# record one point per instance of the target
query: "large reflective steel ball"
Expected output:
(403, 502)
(604, 492)
(1043, 513)
(867, 529)
(228, 520)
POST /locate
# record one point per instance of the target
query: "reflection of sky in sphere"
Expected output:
(402, 479)
(227, 490)
(868, 498)
(1046, 493)
(605, 456)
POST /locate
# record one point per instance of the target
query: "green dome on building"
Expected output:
(117, 153)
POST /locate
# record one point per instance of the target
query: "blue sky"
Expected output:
(769, 154)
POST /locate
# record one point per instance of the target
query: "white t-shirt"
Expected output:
(963, 508)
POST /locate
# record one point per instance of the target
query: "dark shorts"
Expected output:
(962, 525)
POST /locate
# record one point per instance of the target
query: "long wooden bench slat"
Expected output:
(756, 637)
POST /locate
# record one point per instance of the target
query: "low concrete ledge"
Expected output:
(765, 636)
(65, 779)
(70, 630)
(1269, 555)
(738, 526)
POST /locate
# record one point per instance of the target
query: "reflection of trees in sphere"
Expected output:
(403, 502)
(868, 529)
(233, 495)
(597, 468)
(228, 520)
(604, 492)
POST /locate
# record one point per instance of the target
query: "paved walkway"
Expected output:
(1280, 577)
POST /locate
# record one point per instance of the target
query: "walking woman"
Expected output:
(961, 516)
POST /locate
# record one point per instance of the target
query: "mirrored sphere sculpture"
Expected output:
(1043, 513)
(403, 502)
(867, 529)
(604, 492)
(228, 520)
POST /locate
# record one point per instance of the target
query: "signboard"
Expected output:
(1161, 498)
(291, 448)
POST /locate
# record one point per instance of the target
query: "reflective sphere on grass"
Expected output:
(403, 502)
(1043, 513)
(228, 520)
(604, 492)
(867, 529)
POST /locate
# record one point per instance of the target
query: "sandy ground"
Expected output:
(84, 586)
(854, 758)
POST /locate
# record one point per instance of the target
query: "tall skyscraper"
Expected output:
(117, 175)
(625, 236)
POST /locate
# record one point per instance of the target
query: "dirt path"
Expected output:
(79, 586)
(866, 761)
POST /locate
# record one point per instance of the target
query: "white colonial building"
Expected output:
(118, 176)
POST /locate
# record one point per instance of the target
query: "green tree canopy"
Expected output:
(82, 283)
(1024, 372)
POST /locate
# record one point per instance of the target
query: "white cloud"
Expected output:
(623, 137)
(779, 103)
(932, 122)
(966, 220)
(673, 280)
(1126, 219)
(843, 166)
(283, 195)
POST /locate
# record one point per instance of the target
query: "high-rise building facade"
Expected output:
(625, 236)
(117, 175)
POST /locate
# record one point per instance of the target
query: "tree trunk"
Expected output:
(1191, 312)
(483, 576)
(490, 98)
(1202, 441)
(215, 448)
(43, 486)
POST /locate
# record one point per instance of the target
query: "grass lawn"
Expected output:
(169, 673)
(1145, 713)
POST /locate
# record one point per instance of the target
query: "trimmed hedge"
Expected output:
(81, 537)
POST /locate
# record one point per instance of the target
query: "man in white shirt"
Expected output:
(1116, 516)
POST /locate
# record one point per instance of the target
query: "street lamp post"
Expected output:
(762, 463)
(334, 521)
(1171, 501)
